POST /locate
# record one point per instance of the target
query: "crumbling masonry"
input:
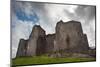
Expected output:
(68, 36)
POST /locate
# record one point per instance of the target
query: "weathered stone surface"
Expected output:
(80, 55)
(22, 48)
(83, 44)
(69, 36)
(50, 42)
(41, 45)
(37, 32)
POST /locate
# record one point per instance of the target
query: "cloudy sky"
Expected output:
(24, 15)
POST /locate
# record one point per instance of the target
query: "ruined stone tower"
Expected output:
(69, 36)
(36, 42)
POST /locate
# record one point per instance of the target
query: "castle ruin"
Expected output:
(69, 36)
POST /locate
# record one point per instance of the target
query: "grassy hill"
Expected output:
(46, 60)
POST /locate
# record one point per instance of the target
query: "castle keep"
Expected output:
(69, 36)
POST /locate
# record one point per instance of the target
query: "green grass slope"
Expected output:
(47, 60)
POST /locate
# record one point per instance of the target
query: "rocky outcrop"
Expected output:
(69, 37)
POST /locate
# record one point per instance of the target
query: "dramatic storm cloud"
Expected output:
(24, 15)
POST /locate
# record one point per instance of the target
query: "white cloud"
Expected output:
(54, 13)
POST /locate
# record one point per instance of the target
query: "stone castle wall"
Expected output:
(33, 45)
(68, 36)
(22, 48)
(50, 42)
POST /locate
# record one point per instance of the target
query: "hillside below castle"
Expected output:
(68, 37)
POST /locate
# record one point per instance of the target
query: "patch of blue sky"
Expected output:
(21, 15)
